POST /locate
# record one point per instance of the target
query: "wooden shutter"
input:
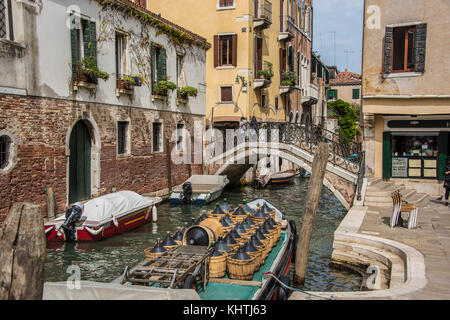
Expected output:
(93, 40)
(226, 94)
(387, 155)
(216, 51)
(234, 49)
(74, 48)
(161, 64)
(421, 37)
(388, 49)
(443, 154)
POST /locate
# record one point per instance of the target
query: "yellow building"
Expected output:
(247, 36)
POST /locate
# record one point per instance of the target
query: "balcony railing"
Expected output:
(310, 94)
(287, 28)
(263, 14)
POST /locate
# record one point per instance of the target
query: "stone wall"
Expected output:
(40, 131)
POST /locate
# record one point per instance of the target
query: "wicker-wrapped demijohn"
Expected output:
(169, 243)
(239, 215)
(225, 206)
(154, 252)
(252, 251)
(217, 213)
(217, 264)
(240, 265)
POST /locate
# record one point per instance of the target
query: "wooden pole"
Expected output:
(309, 212)
(22, 253)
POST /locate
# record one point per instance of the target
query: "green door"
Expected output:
(80, 163)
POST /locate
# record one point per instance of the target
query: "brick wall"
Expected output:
(40, 128)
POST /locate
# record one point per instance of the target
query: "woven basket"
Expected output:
(218, 265)
(241, 269)
(237, 218)
(258, 258)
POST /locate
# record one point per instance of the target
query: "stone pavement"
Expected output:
(420, 256)
(431, 238)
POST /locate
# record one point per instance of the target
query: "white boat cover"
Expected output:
(208, 179)
(113, 205)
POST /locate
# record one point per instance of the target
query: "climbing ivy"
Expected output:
(348, 117)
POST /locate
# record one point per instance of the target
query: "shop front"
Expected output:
(415, 149)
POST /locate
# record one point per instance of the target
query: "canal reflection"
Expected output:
(104, 261)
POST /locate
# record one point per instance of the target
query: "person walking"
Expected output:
(447, 181)
(254, 129)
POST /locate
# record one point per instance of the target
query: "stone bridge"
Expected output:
(297, 145)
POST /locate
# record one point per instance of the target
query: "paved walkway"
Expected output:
(431, 238)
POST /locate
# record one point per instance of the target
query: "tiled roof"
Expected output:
(346, 78)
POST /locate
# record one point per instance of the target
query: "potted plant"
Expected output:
(163, 87)
(187, 91)
(266, 74)
(288, 79)
(88, 71)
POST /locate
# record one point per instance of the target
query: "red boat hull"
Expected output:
(107, 230)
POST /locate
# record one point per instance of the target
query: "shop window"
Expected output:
(122, 137)
(157, 137)
(414, 156)
(5, 146)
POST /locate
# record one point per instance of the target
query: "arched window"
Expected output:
(5, 144)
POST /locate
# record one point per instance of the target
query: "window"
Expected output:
(180, 128)
(83, 42)
(226, 94)
(332, 94)
(179, 70)
(142, 3)
(263, 100)
(158, 64)
(404, 49)
(5, 144)
(6, 23)
(276, 103)
(225, 50)
(226, 3)
(122, 141)
(121, 54)
(355, 93)
(157, 137)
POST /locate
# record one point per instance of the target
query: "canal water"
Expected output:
(104, 261)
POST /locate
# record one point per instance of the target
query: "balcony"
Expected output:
(287, 28)
(263, 14)
(310, 94)
(288, 82)
(263, 78)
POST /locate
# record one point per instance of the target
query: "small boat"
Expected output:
(282, 177)
(198, 189)
(217, 269)
(104, 217)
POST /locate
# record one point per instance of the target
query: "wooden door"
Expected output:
(80, 163)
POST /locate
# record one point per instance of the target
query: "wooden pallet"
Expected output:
(172, 268)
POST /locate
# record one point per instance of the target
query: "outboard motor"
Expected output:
(73, 214)
(186, 197)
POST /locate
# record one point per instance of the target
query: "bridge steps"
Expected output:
(378, 194)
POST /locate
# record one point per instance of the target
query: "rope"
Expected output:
(292, 288)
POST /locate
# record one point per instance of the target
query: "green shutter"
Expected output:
(291, 59)
(387, 155)
(74, 48)
(93, 40)
(86, 26)
(443, 154)
(161, 64)
(355, 93)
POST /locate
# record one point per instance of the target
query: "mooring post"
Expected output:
(309, 211)
(22, 253)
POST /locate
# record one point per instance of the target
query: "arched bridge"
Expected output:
(297, 144)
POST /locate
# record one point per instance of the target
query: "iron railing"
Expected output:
(264, 11)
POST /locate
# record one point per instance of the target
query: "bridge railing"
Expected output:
(343, 152)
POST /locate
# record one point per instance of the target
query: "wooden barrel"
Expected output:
(218, 266)
(214, 225)
(198, 236)
(241, 269)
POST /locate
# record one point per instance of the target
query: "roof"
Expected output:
(346, 78)
(193, 37)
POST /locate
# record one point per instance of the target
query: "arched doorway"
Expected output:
(80, 163)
